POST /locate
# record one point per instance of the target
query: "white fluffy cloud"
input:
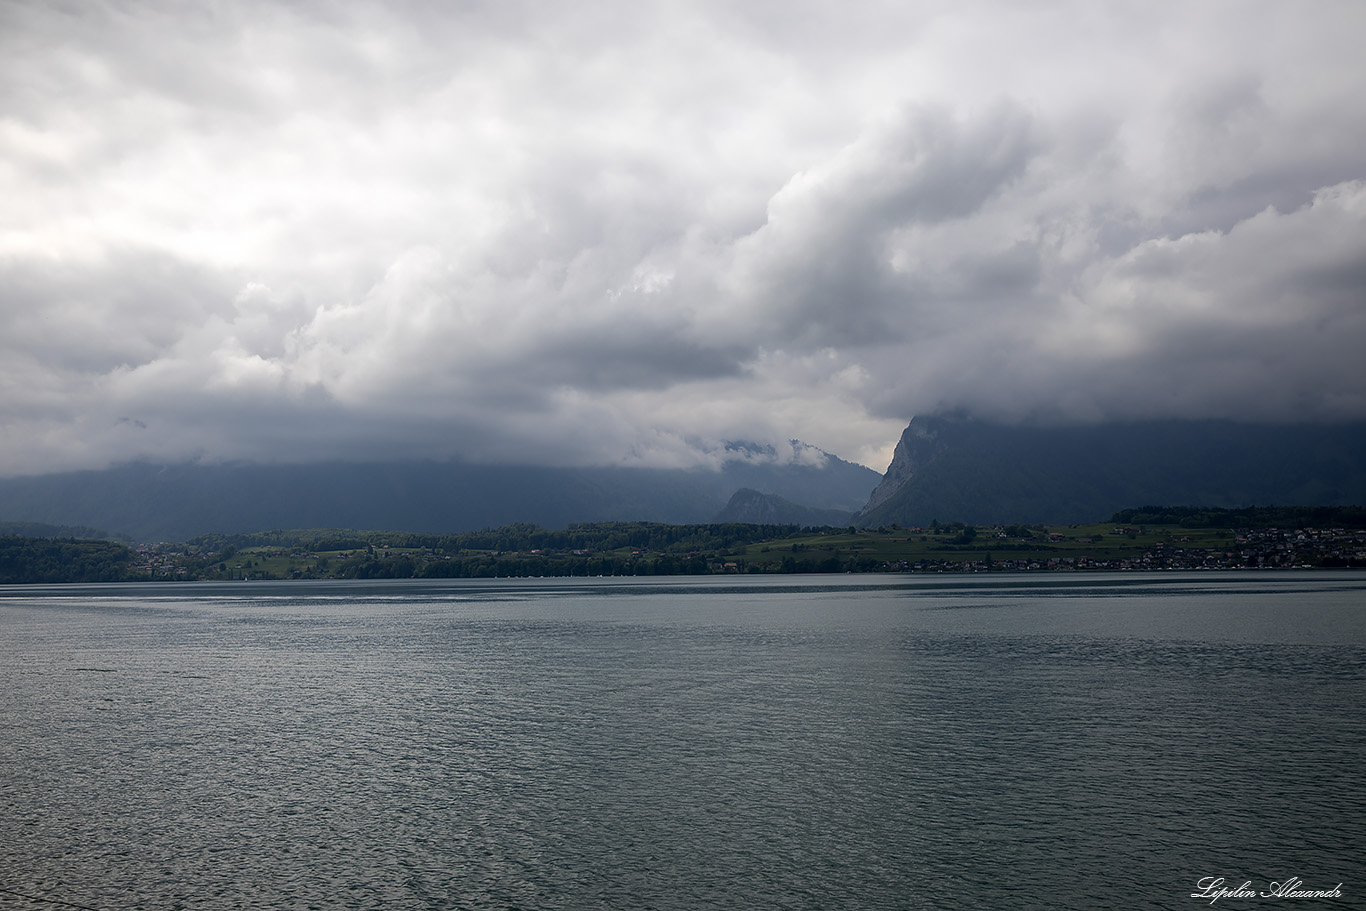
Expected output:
(625, 232)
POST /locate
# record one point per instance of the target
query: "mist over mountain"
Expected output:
(961, 469)
(174, 502)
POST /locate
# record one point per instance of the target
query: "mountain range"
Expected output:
(150, 502)
(955, 468)
(950, 468)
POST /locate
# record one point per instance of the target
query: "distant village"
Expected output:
(1269, 548)
(894, 550)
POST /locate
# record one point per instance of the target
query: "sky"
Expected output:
(623, 233)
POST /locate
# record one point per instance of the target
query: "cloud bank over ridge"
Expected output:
(623, 233)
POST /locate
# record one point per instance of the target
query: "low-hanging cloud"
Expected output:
(629, 233)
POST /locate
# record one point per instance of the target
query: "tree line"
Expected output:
(519, 538)
(1245, 517)
(585, 549)
(27, 560)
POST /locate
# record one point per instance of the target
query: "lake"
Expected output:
(945, 741)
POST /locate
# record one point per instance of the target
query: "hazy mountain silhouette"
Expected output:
(175, 502)
(960, 469)
(751, 507)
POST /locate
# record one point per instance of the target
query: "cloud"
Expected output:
(625, 233)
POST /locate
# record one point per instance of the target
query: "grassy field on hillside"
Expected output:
(986, 545)
(1151, 539)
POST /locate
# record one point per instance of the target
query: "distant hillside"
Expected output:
(754, 508)
(40, 530)
(1264, 517)
(966, 470)
(177, 502)
(41, 559)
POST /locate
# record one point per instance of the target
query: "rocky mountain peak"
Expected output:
(919, 445)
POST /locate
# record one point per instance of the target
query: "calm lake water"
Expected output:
(1061, 741)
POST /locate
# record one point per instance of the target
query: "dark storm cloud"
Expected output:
(627, 232)
(827, 258)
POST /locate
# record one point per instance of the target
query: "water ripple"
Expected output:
(676, 747)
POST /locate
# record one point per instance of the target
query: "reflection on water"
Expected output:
(825, 742)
